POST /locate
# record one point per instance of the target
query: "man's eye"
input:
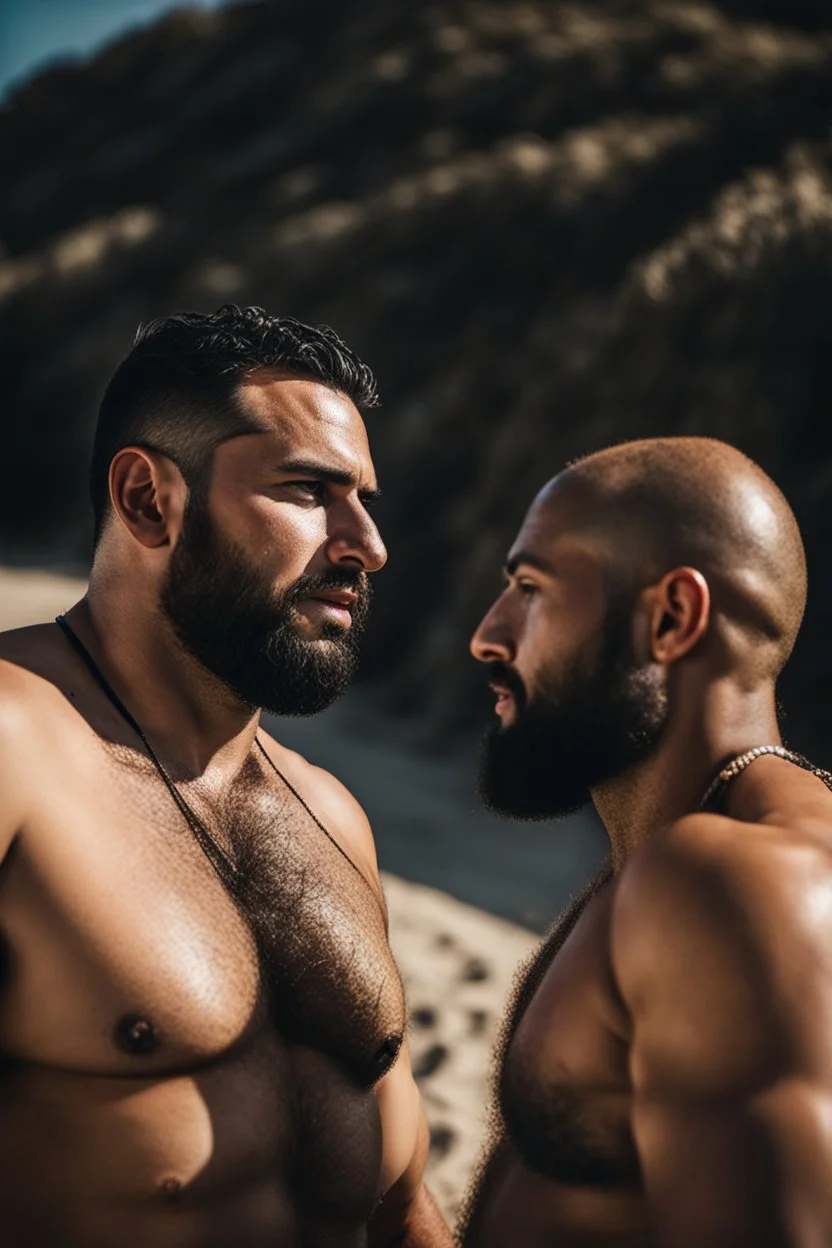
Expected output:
(527, 587)
(312, 489)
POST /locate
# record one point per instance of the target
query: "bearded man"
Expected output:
(665, 1072)
(201, 1023)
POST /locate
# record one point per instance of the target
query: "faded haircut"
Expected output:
(174, 392)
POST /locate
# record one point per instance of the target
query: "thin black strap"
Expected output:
(219, 859)
(212, 849)
(79, 647)
(307, 808)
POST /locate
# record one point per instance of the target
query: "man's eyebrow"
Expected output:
(325, 472)
(532, 561)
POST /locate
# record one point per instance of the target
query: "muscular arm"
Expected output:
(407, 1216)
(722, 951)
(14, 732)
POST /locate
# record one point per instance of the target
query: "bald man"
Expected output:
(665, 1072)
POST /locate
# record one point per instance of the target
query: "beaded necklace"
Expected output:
(733, 768)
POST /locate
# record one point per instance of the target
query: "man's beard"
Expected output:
(602, 717)
(229, 619)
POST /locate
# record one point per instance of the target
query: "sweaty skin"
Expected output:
(176, 1071)
(665, 1077)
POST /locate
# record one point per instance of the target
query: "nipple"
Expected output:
(136, 1036)
(170, 1188)
(386, 1055)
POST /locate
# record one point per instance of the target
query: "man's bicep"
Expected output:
(728, 989)
(404, 1134)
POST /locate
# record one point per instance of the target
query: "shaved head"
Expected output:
(661, 503)
(644, 577)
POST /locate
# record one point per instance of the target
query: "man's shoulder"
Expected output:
(22, 644)
(28, 668)
(712, 861)
(330, 800)
(725, 913)
(25, 697)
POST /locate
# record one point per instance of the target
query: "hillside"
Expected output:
(549, 226)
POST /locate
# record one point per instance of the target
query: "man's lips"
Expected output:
(341, 597)
(504, 696)
(336, 604)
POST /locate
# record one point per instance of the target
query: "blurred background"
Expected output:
(548, 226)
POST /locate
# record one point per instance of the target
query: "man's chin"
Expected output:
(319, 634)
(299, 709)
(518, 782)
(528, 807)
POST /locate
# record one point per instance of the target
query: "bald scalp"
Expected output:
(662, 503)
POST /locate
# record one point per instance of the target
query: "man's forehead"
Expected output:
(278, 399)
(553, 511)
(301, 415)
(553, 523)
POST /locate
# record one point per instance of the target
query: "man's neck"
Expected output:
(192, 720)
(671, 783)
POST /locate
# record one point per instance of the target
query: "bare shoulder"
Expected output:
(710, 865)
(21, 692)
(330, 800)
(34, 667)
(22, 697)
(725, 928)
(27, 646)
(27, 694)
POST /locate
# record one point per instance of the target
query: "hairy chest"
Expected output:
(125, 951)
(564, 1084)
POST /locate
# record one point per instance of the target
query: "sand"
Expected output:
(458, 964)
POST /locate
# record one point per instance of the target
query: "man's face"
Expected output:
(575, 705)
(267, 582)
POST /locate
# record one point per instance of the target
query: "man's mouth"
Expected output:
(333, 604)
(341, 597)
(505, 697)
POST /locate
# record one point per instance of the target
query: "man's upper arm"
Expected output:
(407, 1217)
(13, 730)
(723, 955)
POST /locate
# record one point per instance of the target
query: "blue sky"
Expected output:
(34, 32)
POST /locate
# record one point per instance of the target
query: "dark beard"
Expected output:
(605, 715)
(231, 621)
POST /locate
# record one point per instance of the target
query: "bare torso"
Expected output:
(566, 1168)
(180, 1066)
(565, 1171)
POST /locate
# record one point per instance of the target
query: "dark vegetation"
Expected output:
(549, 226)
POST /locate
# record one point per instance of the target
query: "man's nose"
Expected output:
(358, 541)
(492, 642)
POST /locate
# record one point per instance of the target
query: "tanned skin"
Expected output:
(669, 1081)
(228, 1132)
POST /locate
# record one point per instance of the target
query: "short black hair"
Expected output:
(174, 392)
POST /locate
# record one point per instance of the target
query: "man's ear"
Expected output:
(148, 494)
(680, 609)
